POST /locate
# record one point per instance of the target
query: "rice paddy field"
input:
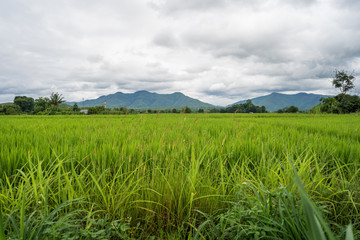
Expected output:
(178, 176)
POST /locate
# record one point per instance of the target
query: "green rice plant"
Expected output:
(36, 225)
(2, 227)
(259, 213)
(162, 170)
(103, 229)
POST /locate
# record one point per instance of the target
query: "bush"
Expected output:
(9, 109)
(341, 103)
(186, 110)
(96, 110)
(292, 109)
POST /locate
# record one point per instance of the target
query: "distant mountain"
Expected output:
(144, 99)
(275, 101)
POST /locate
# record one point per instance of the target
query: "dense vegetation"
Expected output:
(343, 102)
(207, 176)
(247, 107)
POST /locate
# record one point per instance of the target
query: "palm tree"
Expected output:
(56, 99)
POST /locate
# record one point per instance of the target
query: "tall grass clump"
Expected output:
(258, 213)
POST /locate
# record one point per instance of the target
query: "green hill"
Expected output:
(145, 99)
(275, 101)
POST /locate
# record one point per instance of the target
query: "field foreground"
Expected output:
(177, 175)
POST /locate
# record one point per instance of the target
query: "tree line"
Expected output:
(24, 104)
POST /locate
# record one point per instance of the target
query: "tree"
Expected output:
(329, 105)
(56, 99)
(186, 109)
(25, 103)
(96, 110)
(343, 102)
(75, 108)
(9, 109)
(41, 104)
(343, 81)
(292, 109)
(348, 103)
(244, 108)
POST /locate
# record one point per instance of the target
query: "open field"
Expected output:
(162, 174)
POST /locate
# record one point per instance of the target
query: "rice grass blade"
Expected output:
(349, 233)
(2, 227)
(315, 221)
(22, 216)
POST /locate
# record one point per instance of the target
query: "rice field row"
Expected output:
(164, 172)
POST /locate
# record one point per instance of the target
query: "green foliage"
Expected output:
(103, 229)
(343, 81)
(121, 110)
(244, 108)
(25, 103)
(53, 110)
(96, 110)
(291, 109)
(316, 109)
(214, 110)
(341, 103)
(56, 99)
(76, 108)
(2, 227)
(329, 105)
(348, 103)
(258, 213)
(9, 109)
(59, 224)
(41, 104)
(186, 110)
(279, 214)
(44, 224)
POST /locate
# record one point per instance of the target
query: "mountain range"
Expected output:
(144, 99)
(275, 101)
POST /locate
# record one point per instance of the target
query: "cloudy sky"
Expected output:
(219, 51)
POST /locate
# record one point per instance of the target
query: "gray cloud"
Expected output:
(165, 39)
(175, 6)
(219, 51)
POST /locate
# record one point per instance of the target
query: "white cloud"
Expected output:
(219, 51)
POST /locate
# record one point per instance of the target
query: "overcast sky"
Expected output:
(219, 51)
